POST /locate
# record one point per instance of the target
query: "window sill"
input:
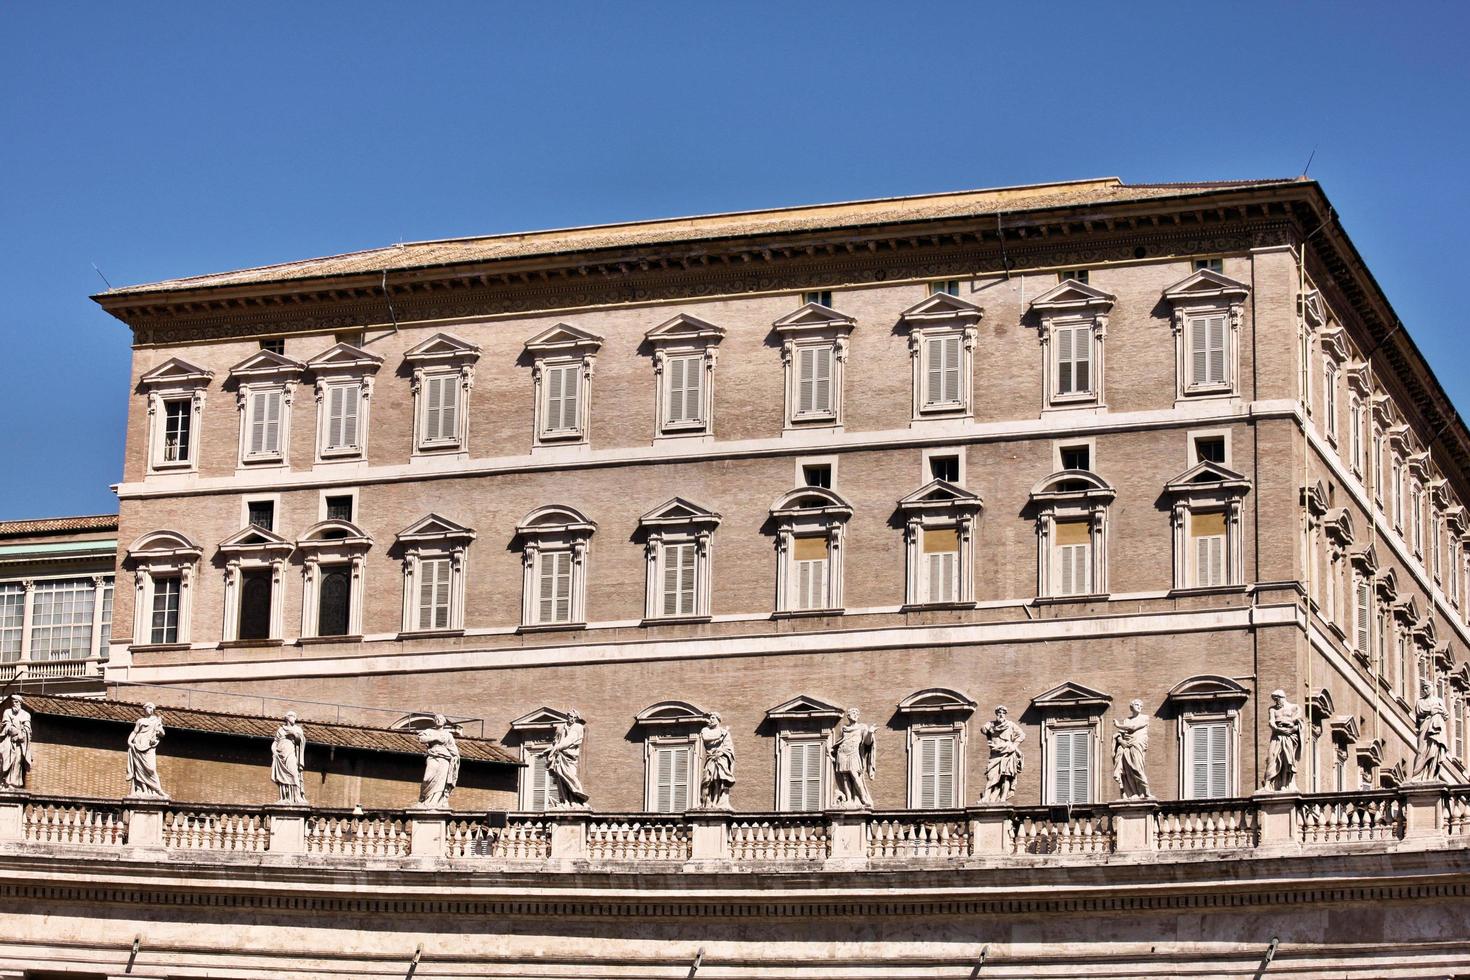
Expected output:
(1059, 600)
(241, 644)
(815, 420)
(1207, 590)
(672, 620)
(355, 456)
(928, 410)
(804, 613)
(438, 449)
(700, 434)
(181, 467)
(428, 634)
(560, 438)
(159, 647)
(910, 607)
(1074, 399)
(1210, 391)
(262, 461)
(307, 641)
(550, 627)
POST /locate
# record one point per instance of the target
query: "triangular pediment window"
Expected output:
(542, 719)
(255, 538)
(442, 347)
(435, 528)
(1206, 474)
(1207, 285)
(1071, 695)
(941, 308)
(564, 338)
(685, 329)
(804, 706)
(678, 511)
(1069, 295)
(344, 358)
(266, 364)
(813, 317)
(176, 371)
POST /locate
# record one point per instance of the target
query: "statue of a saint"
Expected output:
(562, 758)
(854, 762)
(15, 745)
(1005, 738)
(288, 761)
(143, 756)
(441, 768)
(1130, 745)
(719, 764)
(1285, 720)
(1432, 745)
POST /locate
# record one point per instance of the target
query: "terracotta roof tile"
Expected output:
(415, 255)
(58, 525)
(254, 726)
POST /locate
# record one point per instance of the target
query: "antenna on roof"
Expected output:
(1309, 161)
(99, 272)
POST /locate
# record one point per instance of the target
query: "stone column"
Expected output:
(288, 829)
(12, 816)
(1280, 824)
(710, 835)
(990, 829)
(145, 822)
(426, 834)
(568, 835)
(847, 837)
(1423, 809)
(1133, 825)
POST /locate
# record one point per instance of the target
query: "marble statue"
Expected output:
(1432, 745)
(143, 756)
(562, 758)
(1130, 745)
(1005, 738)
(1285, 752)
(288, 761)
(719, 764)
(854, 762)
(15, 745)
(441, 767)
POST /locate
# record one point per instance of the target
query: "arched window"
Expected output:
(810, 522)
(554, 543)
(332, 599)
(1071, 508)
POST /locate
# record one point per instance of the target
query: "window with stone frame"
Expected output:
(685, 349)
(62, 619)
(937, 721)
(1070, 510)
(810, 523)
(814, 354)
(670, 733)
(802, 730)
(939, 534)
(562, 360)
(334, 565)
(442, 371)
(943, 331)
(1207, 311)
(164, 565)
(175, 392)
(265, 386)
(1071, 716)
(554, 547)
(532, 734)
(1072, 320)
(677, 538)
(343, 381)
(1207, 713)
(255, 563)
(433, 550)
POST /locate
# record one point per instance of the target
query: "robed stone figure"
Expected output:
(441, 767)
(143, 742)
(563, 756)
(1005, 763)
(1285, 751)
(288, 761)
(719, 764)
(15, 745)
(1432, 745)
(854, 763)
(1130, 746)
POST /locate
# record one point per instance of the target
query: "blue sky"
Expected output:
(164, 140)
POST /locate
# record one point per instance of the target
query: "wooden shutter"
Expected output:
(556, 587)
(1209, 762)
(342, 405)
(941, 548)
(434, 594)
(809, 559)
(804, 775)
(936, 762)
(543, 787)
(814, 381)
(686, 376)
(1073, 558)
(1074, 359)
(678, 579)
(1207, 350)
(1072, 766)
(942, 371)
(258, 410)
(561, 398)
(441, 408)
(671, 778)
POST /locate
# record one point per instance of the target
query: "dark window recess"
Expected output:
(353, 337)
(822, 296)
(276, 345)
(1210, 449)
(262, 514)
(1080, 275)
(945, 468)
(336, 597)
(1076, 457)
(255, 605)
(817, 475)
(176, 421)
(339, 508)
(1214, 265)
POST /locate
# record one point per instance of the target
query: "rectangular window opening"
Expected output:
(822, 297)
(261, 514)
(945, 468)
(1209, 449)
(178, 417)
(817, 475)
(339, 507)
(165, 618)
(1076, 457)
(1076, 275)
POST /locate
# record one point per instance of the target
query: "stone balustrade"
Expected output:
(1424, 814)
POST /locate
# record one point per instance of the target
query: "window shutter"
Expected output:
(951, 369)
(564, 587)
(1219, 773)
(676, 389)
(822, 380)
(936, 755)
(663, 788)
(336, 395)
(1072, 766)
(685, 378)
(547, 598)
(934, 393)
(257, 423)
(1064, 361)
(351, 400)
(678, 580)
(272, 429)
(556, 399)
(1209, 760)
(686, 580)
(806, 364)
(1217, 349)
(449, 408)
(1198, 351)
(432, 410)
(434, 593)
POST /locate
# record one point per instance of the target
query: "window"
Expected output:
(679, 562)
(945, 467)
(684, 354)
(934, 757)
(1213, 265)
(942, 372)
(276, 345)
(684, 399)
(822, 297)
(12, 619)
(1072, 559)
(441, 409)
(104, 637)
(678, 535)
(443, 371)
(335, 604)
(1207, 764)
(542, 789)
(263, 424)
(165, 625)
(942, 336)
(1378, 467)
(562, 363)
(941, 565)
(1076, 275)
(562, 387)
(177, 439)
(61, 619)
(939, 527)
(1209, 449)
(810, 523)
(1355, 435)
(672, 776)
(805, 764)
(555, 541)
(950, 287)
(1329, 399)
(1396, 493)
(1071, 766)
(1207, 351)
(810, 558)
(255, 605)
(817, 475)
(1209, 549)
(814, 352)
(433, 550)
(1208, 308)
(261, 514)
(342, 417)
(335, 557)
(1207, 535)
(814, 382)
(175, 392)
(1073, 359)
(1073, 322)
(1363, 616)
(433, 575)
(1076, 457)
(339, 507)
